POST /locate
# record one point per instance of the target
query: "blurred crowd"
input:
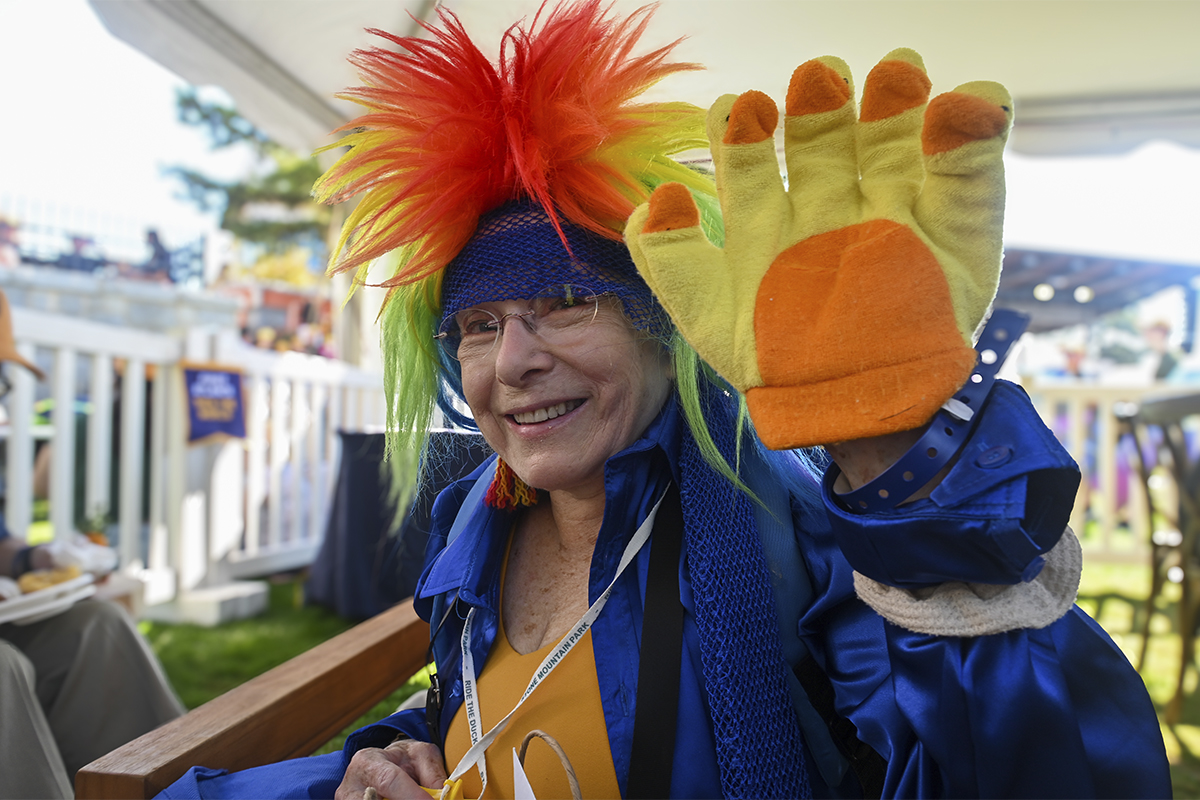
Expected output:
(81, 253)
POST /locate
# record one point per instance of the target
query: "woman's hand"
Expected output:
(861, 461)
(397, 771)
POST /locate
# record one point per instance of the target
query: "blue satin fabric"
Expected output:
(1055, 712)
(1004, 503)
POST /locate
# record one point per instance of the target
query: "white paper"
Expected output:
(521, 788)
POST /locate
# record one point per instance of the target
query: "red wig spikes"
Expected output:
(449, 136)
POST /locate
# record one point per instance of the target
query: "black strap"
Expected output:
(434, 697)
(868, 765)
(658, 666)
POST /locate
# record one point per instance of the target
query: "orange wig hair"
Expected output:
(449, 135)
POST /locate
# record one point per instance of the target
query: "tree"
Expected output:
(273, 206)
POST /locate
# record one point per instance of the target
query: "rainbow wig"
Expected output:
(451, 141)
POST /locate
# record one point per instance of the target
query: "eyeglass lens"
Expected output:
(552, 314)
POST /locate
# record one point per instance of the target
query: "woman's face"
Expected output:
(556, 411)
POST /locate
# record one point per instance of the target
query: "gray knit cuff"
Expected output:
(979, 609)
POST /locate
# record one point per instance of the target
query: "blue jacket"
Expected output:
(1050, 712)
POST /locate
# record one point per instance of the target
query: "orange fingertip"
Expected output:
(816, 88)
(892, 88)
(953, 119)
(671, 209)
(752, 119)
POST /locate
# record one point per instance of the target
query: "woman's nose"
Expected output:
(520, 353)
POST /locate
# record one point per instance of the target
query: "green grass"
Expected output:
(1114, 595)
(205, 662)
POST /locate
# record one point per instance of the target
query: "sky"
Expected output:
(89, 123)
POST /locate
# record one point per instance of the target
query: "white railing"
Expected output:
(1110, 507)
(284, 471)
(83, 353)
(186, 517)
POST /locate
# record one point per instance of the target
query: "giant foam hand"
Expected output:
(844, 304)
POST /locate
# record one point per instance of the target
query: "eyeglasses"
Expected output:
(556, 314)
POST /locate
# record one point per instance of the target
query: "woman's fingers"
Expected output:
(422, 760)
(397, 772)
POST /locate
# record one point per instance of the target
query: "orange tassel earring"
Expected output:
(508, 492)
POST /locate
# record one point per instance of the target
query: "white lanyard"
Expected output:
(475, 755)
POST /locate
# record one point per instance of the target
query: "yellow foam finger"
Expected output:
(889, 135)
(741, 137)
(710, 303)
(819, 149)
(671, 208)
(961, 209)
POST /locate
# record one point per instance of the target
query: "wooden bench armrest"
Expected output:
(287, 712)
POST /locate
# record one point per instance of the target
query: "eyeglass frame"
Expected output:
(583, 294)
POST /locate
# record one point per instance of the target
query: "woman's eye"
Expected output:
(478, 326)
(560, 304)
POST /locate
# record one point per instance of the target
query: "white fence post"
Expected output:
(277, 448)
(19, 482)
(298, 420)
(316, 476)
(158, 550)
(164, 582)
(133, 415)
(62, 461)
(98, 497)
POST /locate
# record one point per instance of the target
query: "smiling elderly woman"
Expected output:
(678, 608)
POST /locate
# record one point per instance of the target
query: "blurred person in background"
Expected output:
(75, 685)
(1160, 351)
(10, 254)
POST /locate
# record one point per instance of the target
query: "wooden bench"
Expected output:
(287, 712)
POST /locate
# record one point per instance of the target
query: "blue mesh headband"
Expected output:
(516, 252)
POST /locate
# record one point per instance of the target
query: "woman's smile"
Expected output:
(546, 413)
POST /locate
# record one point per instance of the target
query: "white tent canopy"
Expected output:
(1089, 77)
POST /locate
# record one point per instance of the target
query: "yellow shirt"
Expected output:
(565, 705)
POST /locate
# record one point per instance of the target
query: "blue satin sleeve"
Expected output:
(315, 776)
(1004, 503)
(1056, 712)
(410, 722)
(1051, 712)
